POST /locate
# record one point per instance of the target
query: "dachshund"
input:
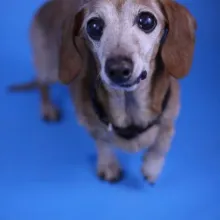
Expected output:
(122, 61)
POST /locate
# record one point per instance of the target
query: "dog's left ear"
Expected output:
(178, 49)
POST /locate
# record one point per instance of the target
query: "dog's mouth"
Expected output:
(130, 86)
(142, 76)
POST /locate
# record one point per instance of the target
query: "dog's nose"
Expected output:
(119, 69)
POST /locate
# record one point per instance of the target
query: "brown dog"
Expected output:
(122, 60)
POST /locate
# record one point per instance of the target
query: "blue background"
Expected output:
(48, 171)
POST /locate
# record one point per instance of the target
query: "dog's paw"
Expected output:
(50, 113)
(152, 168)
(110, 172)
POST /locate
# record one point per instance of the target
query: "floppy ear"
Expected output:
(178, 49)
(72, 49)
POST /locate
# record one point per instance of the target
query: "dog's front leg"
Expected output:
(154, 158)
(108, 167)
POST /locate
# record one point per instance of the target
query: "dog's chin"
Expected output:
(129, 86)
(123, 88)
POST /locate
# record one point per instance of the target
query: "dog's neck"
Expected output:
(125, 108)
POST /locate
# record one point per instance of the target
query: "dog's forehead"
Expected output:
(121, 4)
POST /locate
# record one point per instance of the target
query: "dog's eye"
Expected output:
(95, 28)
(146, 22)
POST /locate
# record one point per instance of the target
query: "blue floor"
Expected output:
(48, 171)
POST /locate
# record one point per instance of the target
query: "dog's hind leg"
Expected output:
(48, 111)
(45, 57)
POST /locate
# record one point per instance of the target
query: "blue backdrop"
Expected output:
(48, 171)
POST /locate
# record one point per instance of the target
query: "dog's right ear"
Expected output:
(72, 49)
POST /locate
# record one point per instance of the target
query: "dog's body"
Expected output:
(63, 50)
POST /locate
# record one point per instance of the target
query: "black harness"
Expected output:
(132, 130)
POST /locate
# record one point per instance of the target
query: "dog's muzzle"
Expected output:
(119, 70)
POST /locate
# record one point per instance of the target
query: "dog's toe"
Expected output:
(110, 172)
(149, 177)
(150, 181)
(151, 168)
(111, 179)
(50, 114)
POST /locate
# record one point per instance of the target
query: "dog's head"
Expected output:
(125, 37)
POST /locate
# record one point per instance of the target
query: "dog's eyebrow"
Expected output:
(119, 4)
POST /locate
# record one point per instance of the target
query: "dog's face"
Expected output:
(124, 37)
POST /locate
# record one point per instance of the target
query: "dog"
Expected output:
(122, 60)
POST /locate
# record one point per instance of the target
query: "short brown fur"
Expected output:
(79, 68)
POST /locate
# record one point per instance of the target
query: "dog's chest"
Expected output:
(132, 110)
(135, 144)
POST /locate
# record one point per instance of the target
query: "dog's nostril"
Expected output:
(126, 72)
(119, 69)
(112, 73)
